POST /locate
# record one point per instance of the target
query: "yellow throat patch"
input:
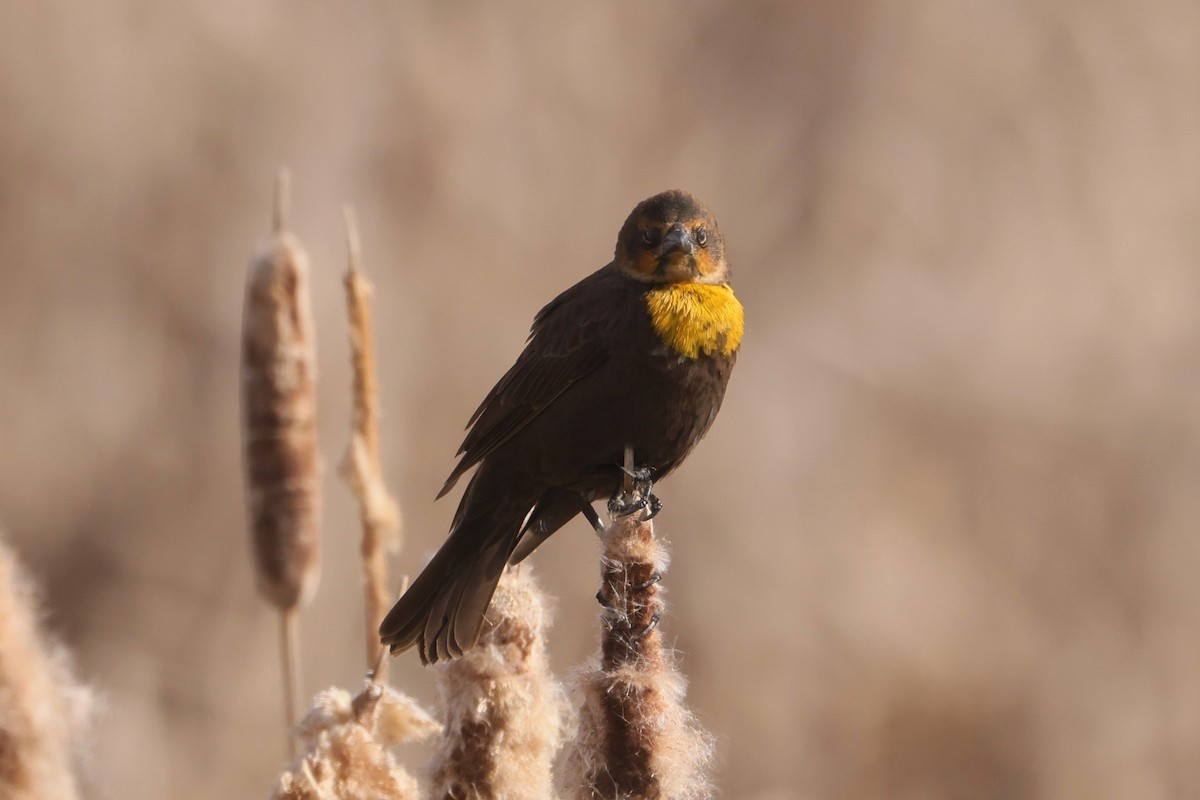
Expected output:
(697, 318)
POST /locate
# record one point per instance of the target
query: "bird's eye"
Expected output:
(701, 236)
(649, 236)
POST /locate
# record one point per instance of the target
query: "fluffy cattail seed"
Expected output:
(636, 737)
(502, 708)
(279, 416)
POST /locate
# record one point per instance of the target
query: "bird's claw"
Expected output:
(641, 587)
(640, 496)
(655, 577)
(644, 632)
(653, 506)
(641, 476)
(625, 505)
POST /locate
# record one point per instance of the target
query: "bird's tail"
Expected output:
(442, 611)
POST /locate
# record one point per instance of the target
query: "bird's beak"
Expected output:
(677, 240)
(675, 255)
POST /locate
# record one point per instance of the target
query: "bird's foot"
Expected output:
(640, 497)
(624, 505)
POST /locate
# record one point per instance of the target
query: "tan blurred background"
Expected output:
(942, 542)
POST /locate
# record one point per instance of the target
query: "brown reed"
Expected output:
(361, 469)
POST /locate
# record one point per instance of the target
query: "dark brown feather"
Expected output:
(565, 344)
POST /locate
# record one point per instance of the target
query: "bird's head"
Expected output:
(672, 238)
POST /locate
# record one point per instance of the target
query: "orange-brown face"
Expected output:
(672, 238)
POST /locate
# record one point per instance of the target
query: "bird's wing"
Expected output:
(565, 343)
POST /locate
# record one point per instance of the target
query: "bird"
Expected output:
(638, 354)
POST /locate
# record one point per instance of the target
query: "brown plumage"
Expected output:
(638, 353)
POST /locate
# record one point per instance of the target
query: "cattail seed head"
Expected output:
(279, 418)
(636, 736)
(502, 708)
(347, 742)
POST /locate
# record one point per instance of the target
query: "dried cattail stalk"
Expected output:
(346, 743)
(361, 466)
(636, 738)
(44, 713)
(279, 430)
(503, 709)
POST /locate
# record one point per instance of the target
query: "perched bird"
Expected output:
(638, 353)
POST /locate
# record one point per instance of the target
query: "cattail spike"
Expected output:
(636, 737)
(502, 707)
(279, 419)
(279, 431)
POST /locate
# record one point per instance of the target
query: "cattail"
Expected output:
(346, 742)
(279, 418)
(279, 431)
(635, 736)
(502, 707)
(43, 711)
(361, 467)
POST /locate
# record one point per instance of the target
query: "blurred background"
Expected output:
(942, 542)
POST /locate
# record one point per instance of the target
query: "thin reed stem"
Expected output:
(283, 200)
(289, 659)
(361, 468)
